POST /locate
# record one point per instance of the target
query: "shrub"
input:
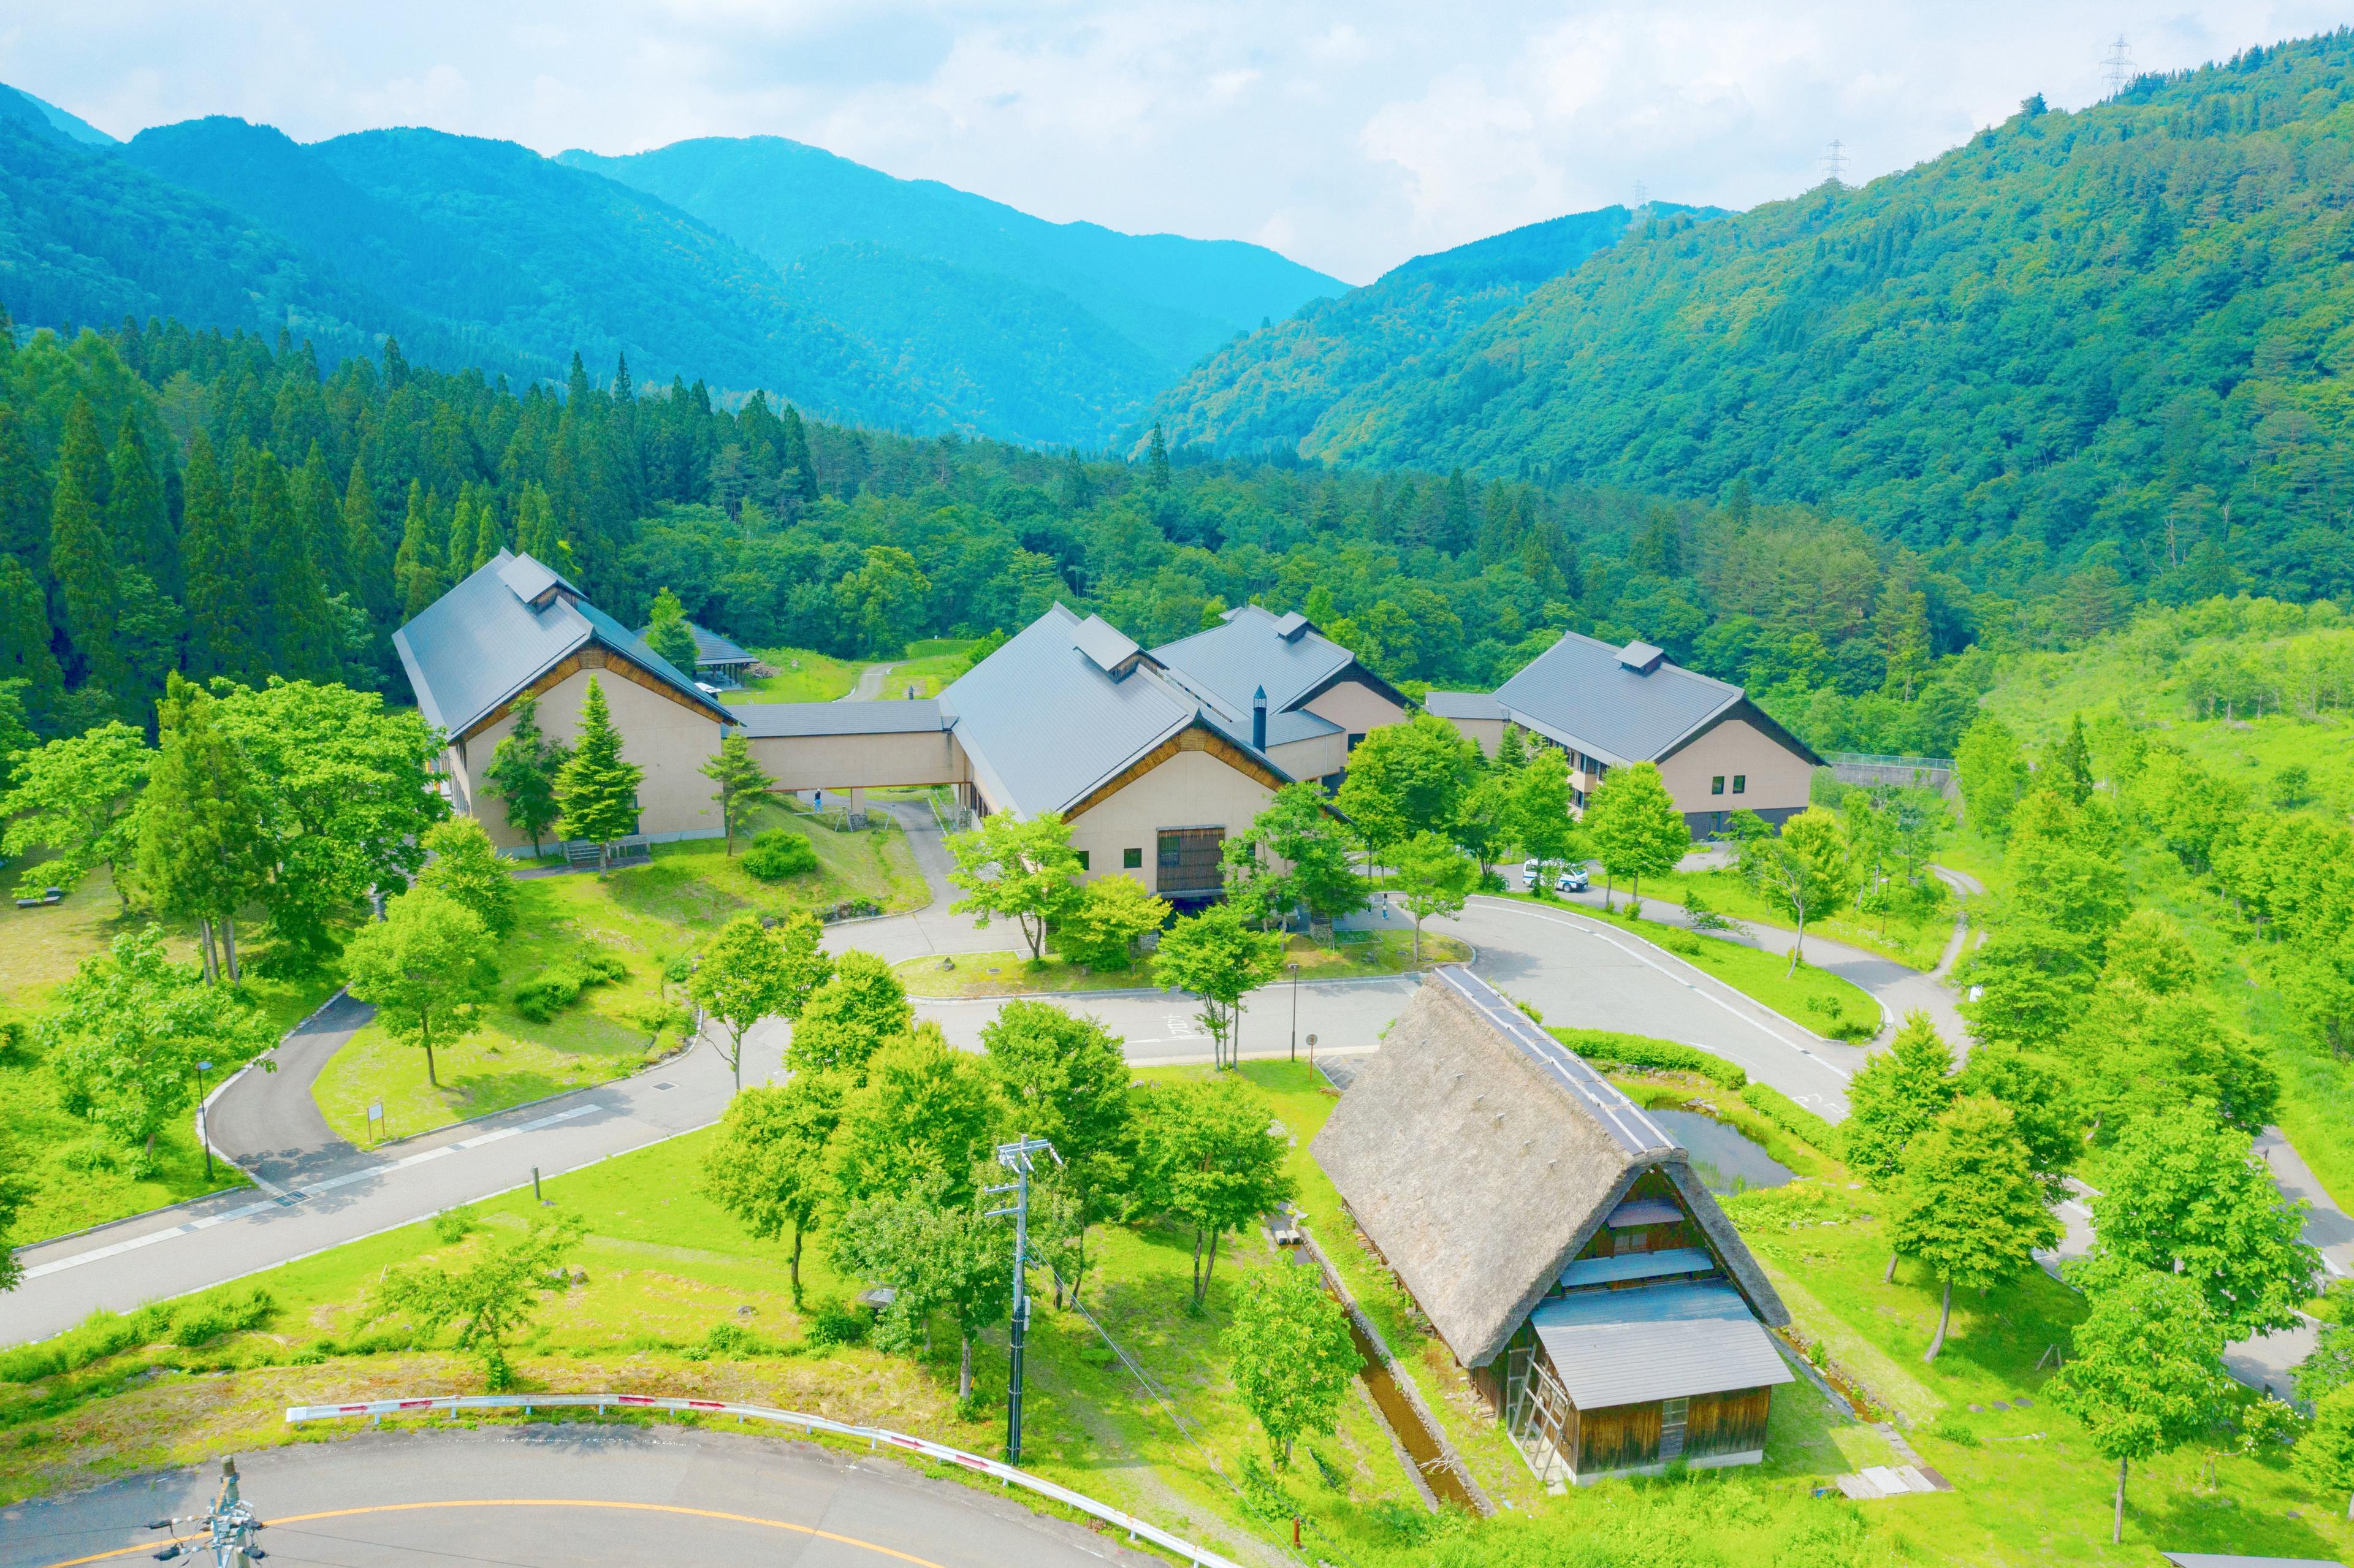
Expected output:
(1957, 1432)
(779, 854)
(1642, 1051)
(837, 1322)
(1793, 1118)
(451, 1225)
(1682, 942)
(557, 987)
(201, 1327)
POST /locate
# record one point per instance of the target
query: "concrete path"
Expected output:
(870, 684)
(637, 1496)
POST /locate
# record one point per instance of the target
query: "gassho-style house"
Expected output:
(1558, 1241)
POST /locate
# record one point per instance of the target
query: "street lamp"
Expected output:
(204, 1136)
(1311, 1054)
(1295, 1012)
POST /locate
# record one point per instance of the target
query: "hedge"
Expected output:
(1793, 1119)
(1643, 1051)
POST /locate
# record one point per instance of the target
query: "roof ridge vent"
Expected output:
(1293, 626)
(1639, 657)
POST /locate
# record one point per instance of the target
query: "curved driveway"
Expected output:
(540, 1495)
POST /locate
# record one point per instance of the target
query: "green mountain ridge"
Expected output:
(2106, 341)
(1274, 387)
(1175, 298)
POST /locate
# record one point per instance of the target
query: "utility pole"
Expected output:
(1835, 162)
(228, 1528)
(2117, 67)
(1016, 1156)
(1642, 196)
(1295, 1013)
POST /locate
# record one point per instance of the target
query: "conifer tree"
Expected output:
(198, 825)
(417, 568)
(535, 527)
(668, 634)
(82, 560)
(797, 477)
(371, 573)
(24, 496)
(485, 544)
(523, 770)
(81, 453)
(1156, 460)
(298, 636)
(136, 519)
(321, 518)
(596, 790)
(24, 651)
(213, 568)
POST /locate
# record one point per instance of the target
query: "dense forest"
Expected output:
(2103, 345)
(226, 506)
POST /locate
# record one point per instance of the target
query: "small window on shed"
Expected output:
(1132, 860)
(1740, 782)
(1716, 784)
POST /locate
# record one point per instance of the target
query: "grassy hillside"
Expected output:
(2107, 335)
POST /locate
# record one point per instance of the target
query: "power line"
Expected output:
(2117, 67)
(1835, 163)
(1642, 196)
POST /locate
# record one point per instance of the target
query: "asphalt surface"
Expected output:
(524, 1497)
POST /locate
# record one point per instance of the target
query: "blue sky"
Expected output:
(1350, 136)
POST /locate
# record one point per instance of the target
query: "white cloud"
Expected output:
(1349, 135)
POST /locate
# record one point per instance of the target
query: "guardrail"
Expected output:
(875, 1437)
(1874, 760)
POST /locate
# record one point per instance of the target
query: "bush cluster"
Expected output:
(1642, 1051)
(549, 992)
(779, 854)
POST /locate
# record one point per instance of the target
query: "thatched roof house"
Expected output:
(1557, 1239)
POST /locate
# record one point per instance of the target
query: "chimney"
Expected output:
(1258, 719)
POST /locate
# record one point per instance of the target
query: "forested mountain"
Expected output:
(15, 104)
(2105, 342)
(1273, 387)
(1175, 299)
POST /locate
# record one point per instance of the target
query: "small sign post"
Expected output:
(202, 1068)
(375, 1121)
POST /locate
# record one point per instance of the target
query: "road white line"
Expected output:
(1699, 991)
(248, 1211)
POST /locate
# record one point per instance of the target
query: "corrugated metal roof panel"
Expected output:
(771, 721)
(1246, 651)
(1662, 1341)
(1579, 693)
(1622, 1266)
(1463, 705)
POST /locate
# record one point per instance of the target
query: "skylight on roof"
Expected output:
(1639, 657)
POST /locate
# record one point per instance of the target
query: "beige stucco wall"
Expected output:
(1778, 777)
(861, 761)
(1356, 707)
(669, 741)
(1488, 733)
(1191, 790)
(1314, 757)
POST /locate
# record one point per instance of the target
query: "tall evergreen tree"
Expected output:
(797, 476)
(82, 559)
(417, 568)
(24, 494)
(596, 790)
(535, 533)
(486, 543)
(136, 518)
(320, 518)
(213, 566)
(24, 651)
(364, 546)
(81, 453)
(523, 772)
(297, 632)
(199, 825)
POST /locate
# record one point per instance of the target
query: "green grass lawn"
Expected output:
(1813, 998)
(929, 664)
(78, 1179)
(1013, 974)
(1915, 942)
(648, 916)
(804, 675)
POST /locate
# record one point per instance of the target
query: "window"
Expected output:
(1083, 859)
(1716, 784)
(1356, 740)
(1132, 860)
(1673, 1413)
(1187, 863)
(1740, 782)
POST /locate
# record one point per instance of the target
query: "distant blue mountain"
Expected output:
(1268, 389)
(72, 126)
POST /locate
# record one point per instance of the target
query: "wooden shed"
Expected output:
(1558, 1240)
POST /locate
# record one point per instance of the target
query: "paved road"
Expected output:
(638, 1495)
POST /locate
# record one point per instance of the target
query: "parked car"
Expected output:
(1574, 880)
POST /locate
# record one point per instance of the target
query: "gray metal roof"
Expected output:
(476, 646)
(1250, 650)
(1616, 1268)
(1643, 1211)
(1044, 719)
(1658, 1341)
(1463, 706)
(1579, 693)
(770, 721)
(1633, 1131)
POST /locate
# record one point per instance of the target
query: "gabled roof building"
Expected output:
(1320, 699)
(1558, 1240)
(514, 629)
(1610, 705)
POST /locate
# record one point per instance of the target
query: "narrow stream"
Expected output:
(1399, 1413)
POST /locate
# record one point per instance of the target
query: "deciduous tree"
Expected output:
(491, 1300)
(1636, 828)
(1062, 1078)
(1803, 872)
(522, 771)
(923, 1115)
(1218, 957)
(1292, 1356)
(1969, 1205)
(74, 797)
(847, 1015)
(1210, 1160)
(768, 1167)
(1433, 877)
(1017, 868)
(2325, 1454)
(1406, 778)
(2148, 1374)
(428, 966)
(1103, 926)
(743, 975)
(465, 866)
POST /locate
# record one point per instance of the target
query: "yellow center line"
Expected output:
(545, 1502)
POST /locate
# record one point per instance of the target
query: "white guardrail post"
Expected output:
(875, 1437)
